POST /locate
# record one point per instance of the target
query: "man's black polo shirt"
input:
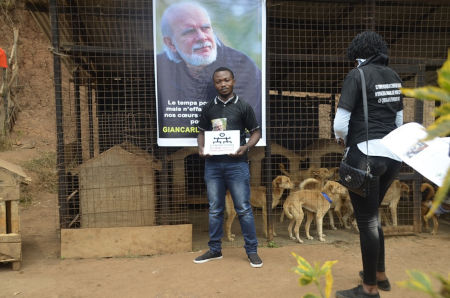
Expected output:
(235, 114)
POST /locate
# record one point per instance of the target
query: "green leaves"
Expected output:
(309, 274)
(418, 281)
(440, 127)
(427, 93)
(444, 75)
(440, 195)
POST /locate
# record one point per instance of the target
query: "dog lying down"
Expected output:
(257, 199)
(314, 201)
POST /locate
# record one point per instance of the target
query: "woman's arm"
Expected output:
(340, 125)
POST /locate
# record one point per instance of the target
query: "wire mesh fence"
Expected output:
(113, 173)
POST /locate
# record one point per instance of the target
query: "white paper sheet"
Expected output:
(221, 142)
(431, 158)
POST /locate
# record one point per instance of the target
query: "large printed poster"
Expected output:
(191, 40)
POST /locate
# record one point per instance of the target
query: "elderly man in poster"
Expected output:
(191, 54)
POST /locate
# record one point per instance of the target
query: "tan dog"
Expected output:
(334, 174)
(257, 199)
(321, 174)
(313, 201)
(426, 205)
(396, 191)
(341, 205)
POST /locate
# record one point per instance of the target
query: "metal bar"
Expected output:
(63, 210)
(76, 81)
(91, 121)
(268, 180)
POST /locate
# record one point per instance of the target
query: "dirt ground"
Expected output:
(45, 274)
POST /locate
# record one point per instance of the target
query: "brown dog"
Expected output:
(321, 174)
(341, 204)
(257, 199)
(313, 201)
(396, 191)
(426, 205)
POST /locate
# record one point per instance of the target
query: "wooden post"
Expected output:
(2, 217)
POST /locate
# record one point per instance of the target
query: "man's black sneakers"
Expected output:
(255, 260)
(208, 256)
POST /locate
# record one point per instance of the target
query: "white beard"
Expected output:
(198, 60)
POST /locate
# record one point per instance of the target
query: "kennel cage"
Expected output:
(105, 100)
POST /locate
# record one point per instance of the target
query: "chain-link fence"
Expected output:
(113, 173)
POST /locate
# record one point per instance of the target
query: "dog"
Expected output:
(395, 192)
(321, 174)
(311, 200)
(341, 203)
(334, 174)
(257, 199)
(426, 203)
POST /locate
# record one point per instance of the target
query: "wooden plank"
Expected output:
(15, 219)
(398, 230)
(10, 252)
(2, 217)
(9, 238)
(125, 241)
(16, 266)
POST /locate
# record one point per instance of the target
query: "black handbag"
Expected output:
(357, 180)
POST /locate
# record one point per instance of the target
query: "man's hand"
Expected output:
(201, 152)
(241, 151)
(201, 144)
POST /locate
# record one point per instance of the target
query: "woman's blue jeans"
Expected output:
(234, 176)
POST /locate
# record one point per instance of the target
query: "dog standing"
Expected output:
(313, 201)
(321, 174)
(426, 205)
(396, 191)
(341, 204)
(257, 199)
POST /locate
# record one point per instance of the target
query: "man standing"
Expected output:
(230, 172)
(191, 54)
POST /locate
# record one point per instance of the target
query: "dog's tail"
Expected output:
(426, 186)
(287, 211)
(311, 183)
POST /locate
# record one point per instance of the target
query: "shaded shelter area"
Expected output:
(105, 97)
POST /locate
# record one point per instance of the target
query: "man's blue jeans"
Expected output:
(234, 176)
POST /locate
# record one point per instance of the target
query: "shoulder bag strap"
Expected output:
(366, 115)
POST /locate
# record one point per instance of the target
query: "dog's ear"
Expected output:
(276, 182)
(405, 187)
(328, 188)
(283, 170)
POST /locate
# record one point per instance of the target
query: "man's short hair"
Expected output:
(365, 45)
(223, 68)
